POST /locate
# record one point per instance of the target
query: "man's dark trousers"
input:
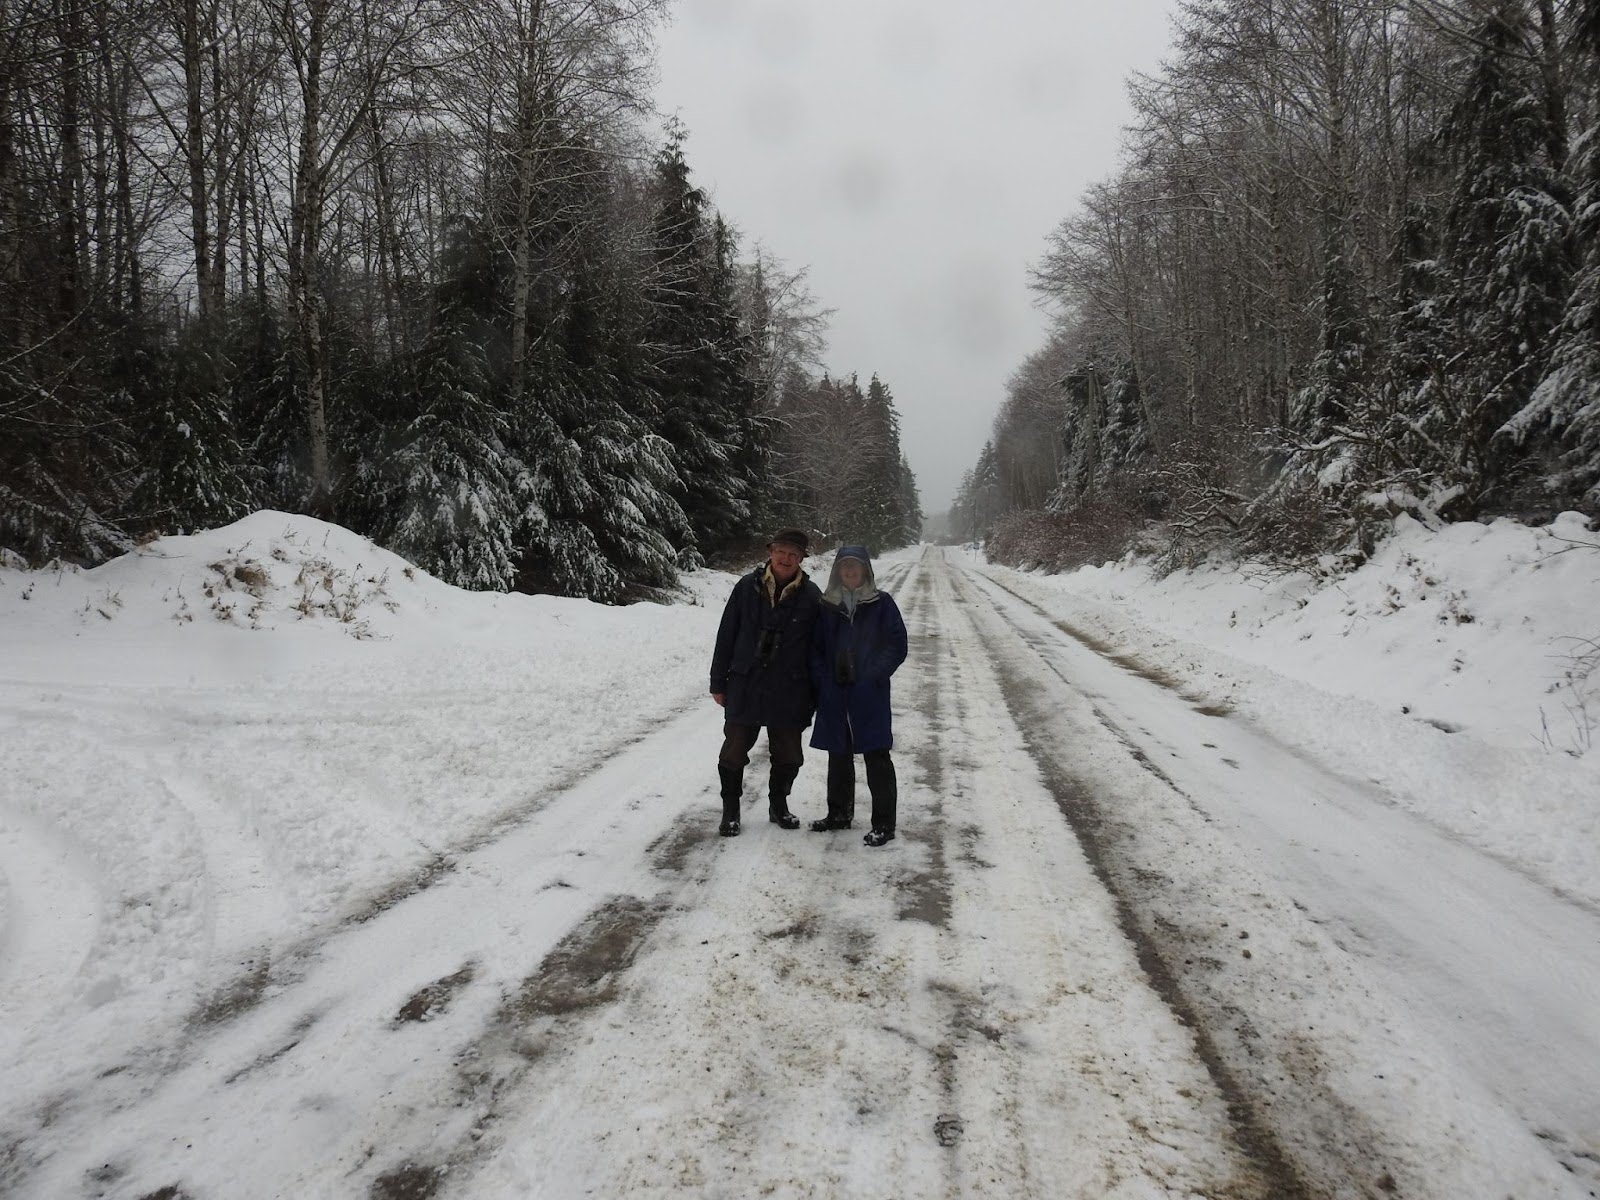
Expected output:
(783, 744)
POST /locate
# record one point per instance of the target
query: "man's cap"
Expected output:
(791, 537)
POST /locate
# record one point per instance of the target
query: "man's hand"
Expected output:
(718, 697)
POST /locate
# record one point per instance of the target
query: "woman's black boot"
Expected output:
(841, 794)
(885, 789)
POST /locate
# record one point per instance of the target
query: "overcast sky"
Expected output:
(915, 155)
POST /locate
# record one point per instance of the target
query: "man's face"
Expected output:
(852, 573)
(785, 560)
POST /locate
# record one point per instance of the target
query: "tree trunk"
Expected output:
(305, 238)
(388, 250)
(529, 133)
(102, 115)
(124, 274)
(70, 190)
(224, 149)
(10, 237)
(194, 150)
(1555, 98)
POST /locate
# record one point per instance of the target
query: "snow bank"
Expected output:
(1472, 627)
(172, 612)
(1444, 671)
(226, 740)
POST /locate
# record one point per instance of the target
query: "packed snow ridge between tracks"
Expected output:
(323, 878)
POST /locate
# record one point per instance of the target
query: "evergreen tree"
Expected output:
(605, 480)
(193, 465)
(1507, 252)
(1562, 420)
(736, 357)
(1324, 408)
(605, 485)
(700, 379)
(1415, 357)
(1081, 470)
(456, 500)
(1126, 438)
(908, 509)
(70, 450)
(875, 514)
(977, 502)
(267, 410)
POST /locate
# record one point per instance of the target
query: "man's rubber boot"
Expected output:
(778, 798)
(732, 788)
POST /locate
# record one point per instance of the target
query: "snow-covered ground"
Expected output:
(241, 734)
(227, 742)
(322, 878)
(1445, 670)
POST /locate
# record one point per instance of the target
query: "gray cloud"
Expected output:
(773, 112)
(909, 41)
(781, 32)
(863, 181)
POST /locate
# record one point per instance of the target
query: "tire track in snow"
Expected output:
(1305, 1070)
(49, 916)
(267, 970)
(927, 891)
(1251, 1131)
(1259, 1172)
(788, 1027)
(915, 1057)
(318, 1003)
(961, 1010)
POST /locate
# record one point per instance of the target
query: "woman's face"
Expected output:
(852, 573)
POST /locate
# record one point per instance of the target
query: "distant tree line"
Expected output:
(1350, 267)
(409, 266)
(844, 471)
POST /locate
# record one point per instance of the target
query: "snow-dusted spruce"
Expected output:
(1562, 420)
(452, 496)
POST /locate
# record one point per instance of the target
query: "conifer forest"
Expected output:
(1349, 268)
(427, 268)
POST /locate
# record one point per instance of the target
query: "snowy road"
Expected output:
(1126, 946)
(1504, 972)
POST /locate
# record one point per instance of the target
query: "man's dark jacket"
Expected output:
(774, 689)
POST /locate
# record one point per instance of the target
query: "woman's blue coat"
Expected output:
(856, 717)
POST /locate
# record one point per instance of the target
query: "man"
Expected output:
(760, 674)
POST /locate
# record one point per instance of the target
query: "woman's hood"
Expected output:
(833, 594)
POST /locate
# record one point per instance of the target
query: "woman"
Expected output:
(860, 641)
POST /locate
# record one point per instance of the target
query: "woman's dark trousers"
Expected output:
(881, 783)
